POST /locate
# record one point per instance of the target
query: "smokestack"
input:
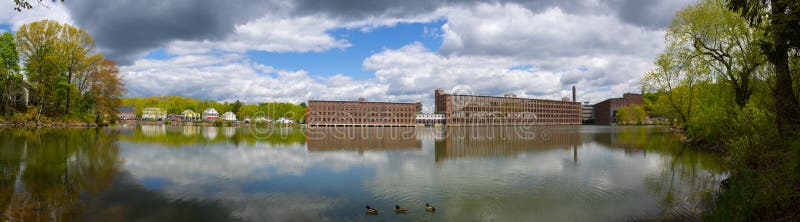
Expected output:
(573, 93)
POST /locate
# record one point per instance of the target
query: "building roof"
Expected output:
(504, 97)
(126, 109)
(346, 101)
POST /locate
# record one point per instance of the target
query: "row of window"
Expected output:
(379, 114)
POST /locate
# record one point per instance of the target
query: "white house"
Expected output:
(210, 114)
(285, 120)
(229, 116)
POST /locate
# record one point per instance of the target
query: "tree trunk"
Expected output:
(786, 104)
(69, 90)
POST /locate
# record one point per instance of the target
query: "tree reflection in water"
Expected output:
(45, 171)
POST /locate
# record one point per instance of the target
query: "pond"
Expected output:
(191, 173)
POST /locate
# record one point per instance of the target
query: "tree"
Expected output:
(780, 22)
(236, 106)
(37, 43)
(9, 69)
(58, 60)
(631, 114)
(675, 76)
(76, 47)
(106, 88)
(723, 41)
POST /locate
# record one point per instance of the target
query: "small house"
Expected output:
(210, 114)
(229, 116)
(189, 115)
(126, 112)
(154, 114)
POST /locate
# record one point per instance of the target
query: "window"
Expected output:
(18, 98)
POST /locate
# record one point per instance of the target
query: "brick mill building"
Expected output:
(605, 112)
(361, 113)
(473, 110)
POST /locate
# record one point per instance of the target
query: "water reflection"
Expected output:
(361, 139)
(164, 173)
(45, 171)
(461, 142)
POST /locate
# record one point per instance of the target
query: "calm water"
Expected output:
(158, 173)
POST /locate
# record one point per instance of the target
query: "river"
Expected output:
(164, 173)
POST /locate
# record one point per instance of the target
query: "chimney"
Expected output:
(573, 93)
(361, 99)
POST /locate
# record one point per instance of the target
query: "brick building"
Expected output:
(361, 113)
(605, 112)
(472, 110)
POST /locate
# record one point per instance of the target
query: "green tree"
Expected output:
(236, 106)
(631, 114)
(77, 51)
(780, 22)
(10, 77)
(675, 76)
(38, 45)
(722, 40)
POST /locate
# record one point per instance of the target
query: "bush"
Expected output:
(764, 179)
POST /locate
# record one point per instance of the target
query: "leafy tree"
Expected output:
(780, 22)
(38, 45)
(674, 77)
(631, 114)
(9, 70)
(236, 106)
(106, 89)
(76, 47)
(722, 40)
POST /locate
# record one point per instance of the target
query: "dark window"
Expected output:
(18, 98)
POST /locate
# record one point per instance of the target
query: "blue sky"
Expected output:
(385, 50)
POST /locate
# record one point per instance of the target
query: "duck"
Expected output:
(429, 208)
(400, 210)
(370, 210)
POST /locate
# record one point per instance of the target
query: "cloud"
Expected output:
(228, 76)
(126, 30)
(269, 34)
(44, 10)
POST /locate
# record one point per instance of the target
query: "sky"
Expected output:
(380, 50)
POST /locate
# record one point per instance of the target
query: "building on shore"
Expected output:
(587, 113)
(508, 110)
(435, 119)
(229, 116)
(605, 112)
(210, 114)
(189, 115)
(126, 112)
(361, 113)
(152, 113)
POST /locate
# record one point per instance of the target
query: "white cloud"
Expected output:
(493, 48)
(44, 10)
(270, 33)
(231, 77)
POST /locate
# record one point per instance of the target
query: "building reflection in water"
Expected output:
(191, 130)
(462, 142)
(210, 132)
(362, 139)
(153, 130)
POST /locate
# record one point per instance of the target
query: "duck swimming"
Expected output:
(400, 210)
(429, 208)
(371, 211)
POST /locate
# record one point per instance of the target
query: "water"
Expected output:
(162, 173)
